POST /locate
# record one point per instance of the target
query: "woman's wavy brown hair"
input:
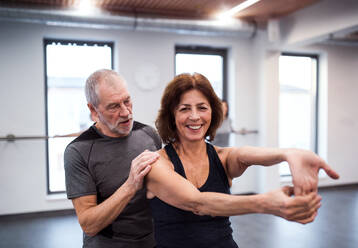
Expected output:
(165, 122)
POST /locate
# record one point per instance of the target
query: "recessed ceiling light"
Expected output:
(86, 7)
(231, 12)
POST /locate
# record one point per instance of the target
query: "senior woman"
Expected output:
(189, 185)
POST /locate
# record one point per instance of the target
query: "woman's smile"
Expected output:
(192, 116)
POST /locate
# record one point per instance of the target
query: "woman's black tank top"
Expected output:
(174, 227)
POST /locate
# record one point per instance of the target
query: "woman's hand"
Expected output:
(301, 209)
(304, 166)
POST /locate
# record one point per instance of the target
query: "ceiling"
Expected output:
(183, 9)
(257, 14)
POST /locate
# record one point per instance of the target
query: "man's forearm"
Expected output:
(94, 218)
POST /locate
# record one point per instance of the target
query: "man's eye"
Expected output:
(113, 107)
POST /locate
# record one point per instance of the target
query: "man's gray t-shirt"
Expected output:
(96, 164)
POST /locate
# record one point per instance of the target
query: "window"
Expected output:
(298, 75)
(211, 62)
(67, 65)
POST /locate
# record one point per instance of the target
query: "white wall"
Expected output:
(301, 32)
(342, 122)
(338, 119)
(318, 21)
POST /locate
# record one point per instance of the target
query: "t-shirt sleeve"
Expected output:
(79, 181)
(154, 134)
(158, 140)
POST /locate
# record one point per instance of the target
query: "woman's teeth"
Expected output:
(194, 127)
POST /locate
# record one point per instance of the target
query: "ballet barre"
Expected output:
(12, 137)
(244, 131)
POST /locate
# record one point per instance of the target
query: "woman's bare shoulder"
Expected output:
(222, 151)
(163, 159)
(160, 171)
(162, 153)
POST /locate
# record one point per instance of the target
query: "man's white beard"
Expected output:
(114, 128)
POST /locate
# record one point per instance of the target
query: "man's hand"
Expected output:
(93, 217)
(304, 166)
(140, 167)
(301, 209)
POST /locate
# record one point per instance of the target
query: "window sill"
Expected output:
(56, 197)
(287, 180)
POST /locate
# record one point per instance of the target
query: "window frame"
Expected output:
(206, 50)
(315, 123)
(47, 41)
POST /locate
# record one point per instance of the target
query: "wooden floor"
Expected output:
(335, 227)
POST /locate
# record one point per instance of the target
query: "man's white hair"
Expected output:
(94, 80)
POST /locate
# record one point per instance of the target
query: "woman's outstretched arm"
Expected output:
(163, 182)
(304, 164)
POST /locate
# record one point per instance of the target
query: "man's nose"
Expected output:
(124, 111)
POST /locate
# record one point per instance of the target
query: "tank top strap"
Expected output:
(174, 158)
(216, 164)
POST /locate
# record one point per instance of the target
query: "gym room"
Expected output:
(288, 70)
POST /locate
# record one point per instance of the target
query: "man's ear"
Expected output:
(94, 114)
